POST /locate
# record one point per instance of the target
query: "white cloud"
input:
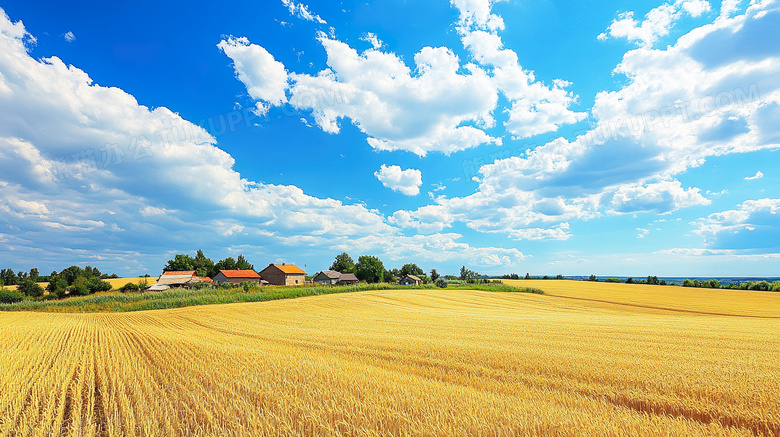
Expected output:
(753, 226)
(302, 11)
(697, 99)
(694, 252)
(642, 232)
(265, 77)
(440, 104)
(372, 39)
(659, 197)
(477, 14)
(153, 210)
(656, 24)
(535, 108)
(406, 182)
(758, 175)
(69, 36)
(81, 167)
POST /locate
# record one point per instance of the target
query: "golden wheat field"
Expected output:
(415, 363)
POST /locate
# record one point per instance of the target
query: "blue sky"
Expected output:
(509, 136)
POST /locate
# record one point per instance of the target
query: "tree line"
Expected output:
(204, 266)
(73, 281)
(8, 277)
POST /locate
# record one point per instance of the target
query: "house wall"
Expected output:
(293, 279)
(273, 275)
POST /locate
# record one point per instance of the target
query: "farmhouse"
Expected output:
(347, 279)
(335, 278)
(179, 279)
(326, 277)
(410, 280)
(236, 277)
(283, 274)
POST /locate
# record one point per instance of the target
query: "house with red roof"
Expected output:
(236, 277)
(283, 274)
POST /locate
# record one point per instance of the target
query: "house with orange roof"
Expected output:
(236, 277)
(283, 274)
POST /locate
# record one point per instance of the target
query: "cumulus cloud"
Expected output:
(69, 36)
(535, 107)
(753, 226)
(265, 77)
(302, 11)
(439, 104)
(82, 166)
(372, 39)
(711, 94)
(758, 175)
(656, 24)
(406, 182)
(659, 197)
(420, 110)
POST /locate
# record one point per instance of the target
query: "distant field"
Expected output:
(585, 359)
(661, 298)
(119, 282)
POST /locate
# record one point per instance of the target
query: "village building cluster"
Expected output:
(275, 274)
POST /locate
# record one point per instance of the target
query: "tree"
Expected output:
(630, 280)
(243, 264)
(57, 286)
(8, 277)
(411, 269)
(343, 264)
(392, 275)
(179, 263)
(468, 275)
(369, 269)
(202, 265)
(95, 285)
(28, 287)
(34, 274)
(441, 283)
(225, 264)
(435, 275)
(71, 274)
(653, 280)
(593, 278)
(79, 287)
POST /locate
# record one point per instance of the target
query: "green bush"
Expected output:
(96, 285)
(10, 296)
(80, 287)
(28, 287)
(441, 283)
(129, 288)
(57, 287)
